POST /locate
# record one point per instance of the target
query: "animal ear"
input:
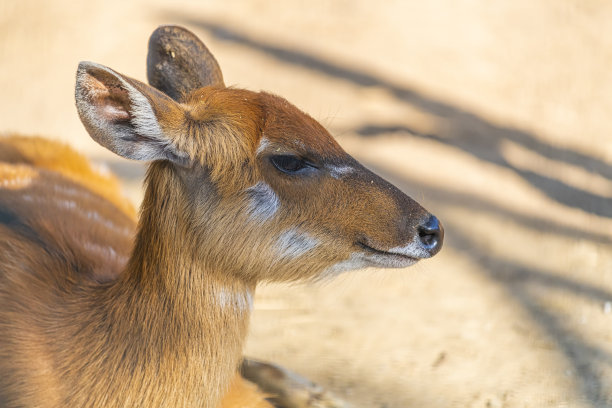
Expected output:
(178, 62)
(126, 116)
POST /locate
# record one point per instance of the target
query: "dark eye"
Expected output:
(289, 164)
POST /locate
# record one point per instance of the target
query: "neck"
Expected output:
(189, 320)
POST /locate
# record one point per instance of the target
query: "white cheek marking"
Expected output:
(412, 250)
(293, 243)
(340, 171)
(263, 144)
(264, 202)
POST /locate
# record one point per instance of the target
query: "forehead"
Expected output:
(288, 126)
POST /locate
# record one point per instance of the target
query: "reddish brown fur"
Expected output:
(218, 216)
(51, 180)
(54, 156)
(24, 166)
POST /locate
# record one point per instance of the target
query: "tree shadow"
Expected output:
(554, 189)
(462, 129)
(483, 205)
(521, 282)
(484, 140)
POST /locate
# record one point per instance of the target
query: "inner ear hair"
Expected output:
(120, 113)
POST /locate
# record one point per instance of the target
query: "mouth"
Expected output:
(387, 259)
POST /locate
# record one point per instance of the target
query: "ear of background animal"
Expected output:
(179, 63)
(126, 116)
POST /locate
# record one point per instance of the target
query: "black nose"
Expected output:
(431, 235)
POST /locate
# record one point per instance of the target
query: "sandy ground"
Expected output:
(495, 115)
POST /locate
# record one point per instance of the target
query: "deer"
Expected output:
(241, 187)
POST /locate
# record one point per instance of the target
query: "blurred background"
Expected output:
(495, 115)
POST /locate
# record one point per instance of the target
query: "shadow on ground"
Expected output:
(482, 139)
(464, 130)
(522, 282)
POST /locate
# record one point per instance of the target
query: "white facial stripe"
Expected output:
(340, 171)
(263, 144)
(263, 201)
(293, 243)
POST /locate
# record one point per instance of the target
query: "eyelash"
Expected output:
(289, 164)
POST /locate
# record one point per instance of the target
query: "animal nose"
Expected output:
(431, 235)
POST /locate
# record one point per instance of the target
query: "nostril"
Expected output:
(428, 238)
(431, 234)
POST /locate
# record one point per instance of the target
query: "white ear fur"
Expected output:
(120, 117)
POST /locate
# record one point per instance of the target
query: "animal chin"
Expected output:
(387, 259)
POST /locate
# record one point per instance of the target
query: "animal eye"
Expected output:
(288, 164)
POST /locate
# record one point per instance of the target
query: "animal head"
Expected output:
(261, 188)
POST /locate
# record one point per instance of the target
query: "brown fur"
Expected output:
(23, 167)
(243, 394)
(77, 329)
(50, 155)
